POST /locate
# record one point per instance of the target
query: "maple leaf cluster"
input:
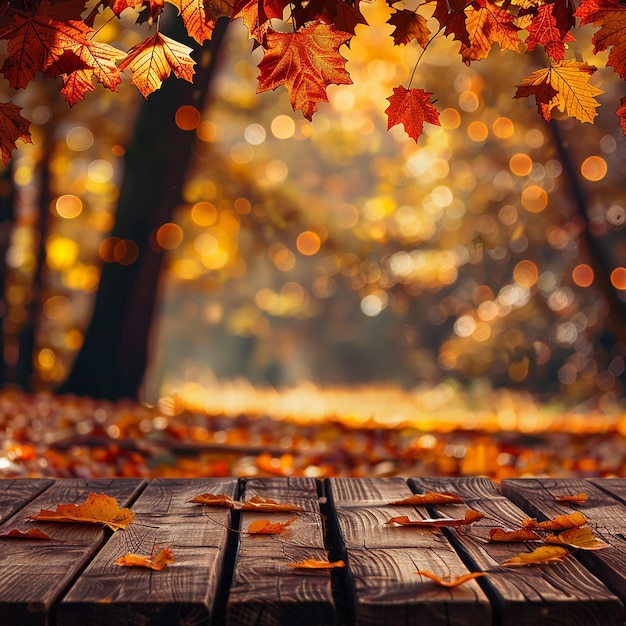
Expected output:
(301, 42)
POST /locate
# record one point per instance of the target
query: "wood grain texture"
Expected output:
(265, 591)
(15, 493)
(184, 592)
(33, 574)
(604, 510)
(562, 593)
(383, 560)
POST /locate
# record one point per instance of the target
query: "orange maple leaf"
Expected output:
(12, 127)
(199, 17)
(454, 582)
(431, 497)
(16, 533)
(259, 503)
(411, 107)
(162, 558)
(621, 112)
(543, 554)
(581, 497)
(499, 534)
(305, 63)
(610, 15)
(100, 58)
(471, 516)
(97, 509)
(151, 61)
(214, 499)
(451, 17)
(315, 564)
(265, 527)
(581, 537)
(408, 26)
(543, 30)
(486, 25)
(560, 522)
(564, 85)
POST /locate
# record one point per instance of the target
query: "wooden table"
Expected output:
(223, 575)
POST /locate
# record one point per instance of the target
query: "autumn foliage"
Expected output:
(301, 42)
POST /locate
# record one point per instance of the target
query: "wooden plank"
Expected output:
(604, 509)
(17, 492)
(561, 593)
(264, 589)
(184, 592)
(382, 560)
(33, 574)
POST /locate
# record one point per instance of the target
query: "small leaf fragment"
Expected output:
(581, 537)
(214, 499)
(499, 534)
(259, 503)
(162, 558)
(431, 497)
(16, 533)
(543, 554)
(470, 517)
(315, 564)
(560, 522)
(265, 527)
(581, 497)
(454, 582)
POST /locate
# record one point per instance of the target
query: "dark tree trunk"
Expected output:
(7, 199)
(112, 361)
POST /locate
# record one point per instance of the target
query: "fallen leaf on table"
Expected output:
(259, 503)
(162, 558)
(543, 554)
(16, 533)
(97, 509)
(431, 497)
(470, 517)
(454, 582)
(581, 497)
(499, 534)
(582, 538)
(560, 522)
(214, 499)
(314, 564)
(265, 527)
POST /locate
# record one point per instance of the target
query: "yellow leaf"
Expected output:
(543, 554)
(151, 61)
(455, 582)
(582, 538)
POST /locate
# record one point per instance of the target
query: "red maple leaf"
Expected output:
(611, 17)
(451, 17)
(199, 16)
(343, 16)
(411, 107)
(543, 30)
(253, 15)
(408, 26)
(622, 115)
(486, 25)
(305, 63)
(12, 127)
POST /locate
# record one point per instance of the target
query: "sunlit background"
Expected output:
(418, 303)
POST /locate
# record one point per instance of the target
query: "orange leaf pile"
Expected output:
(455, 582)
(543, 554)
(431, 497)
(471, 516)
(162, 558)
(315, 564)
(265, 527)
(97, 509)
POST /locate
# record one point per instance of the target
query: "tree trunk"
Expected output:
(112, 361)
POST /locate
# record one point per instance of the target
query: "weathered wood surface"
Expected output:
(184, 592)
(224, 576)
(562, 593)
(605, 511)
(382, 560)
(264, 589)
(34, 574)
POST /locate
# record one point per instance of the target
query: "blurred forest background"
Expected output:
(237, 254)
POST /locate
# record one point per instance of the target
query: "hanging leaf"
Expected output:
(97, 509)
(544, 30)
(158, 562)
(581, 537)
(411, 107)
(409, 25)
(199, 16)
(499, 534)
(13, 127)
(16, 533)
(470, 517)
(543, 554)
(431, 497)
(265, 527)
(314, 564)
(621, 113)
(454, 582)
(560, 522)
